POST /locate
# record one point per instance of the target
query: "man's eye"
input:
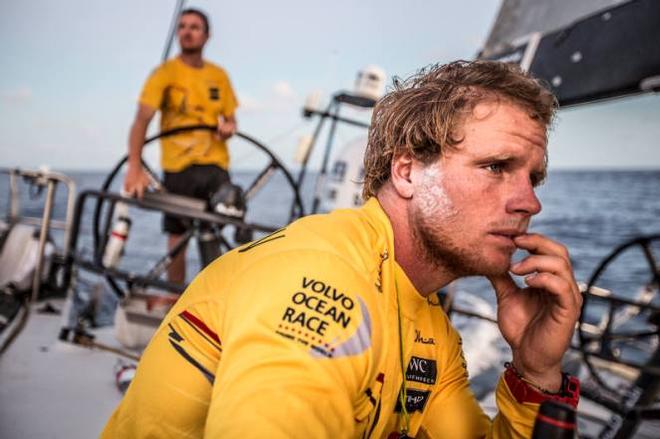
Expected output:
(495, 168)
(537, 180)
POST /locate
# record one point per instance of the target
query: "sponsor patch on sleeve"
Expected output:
(421, 370)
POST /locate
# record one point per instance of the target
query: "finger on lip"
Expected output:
(541, 245)
(524, 236)
(530, 241)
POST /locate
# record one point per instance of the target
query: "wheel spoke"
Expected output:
(261, 180)
(650, 258)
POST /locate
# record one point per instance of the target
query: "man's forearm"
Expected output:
(136, 142)
(136, 180)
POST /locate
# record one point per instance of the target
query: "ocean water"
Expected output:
(590, 212)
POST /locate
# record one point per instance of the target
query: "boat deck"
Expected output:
(53, 389)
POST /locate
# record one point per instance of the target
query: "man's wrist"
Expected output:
(550, 380)
(134, 162)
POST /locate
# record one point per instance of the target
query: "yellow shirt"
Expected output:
(190, 96)
(296, 336)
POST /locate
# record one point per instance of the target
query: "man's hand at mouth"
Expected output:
(538, 321)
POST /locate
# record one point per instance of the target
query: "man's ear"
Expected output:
(401, 175)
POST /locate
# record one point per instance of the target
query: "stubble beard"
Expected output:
(437, 248)
(191, 50)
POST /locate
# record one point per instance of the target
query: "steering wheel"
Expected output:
(607, 339)
(274, 164)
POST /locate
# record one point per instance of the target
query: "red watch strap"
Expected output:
(523, 392)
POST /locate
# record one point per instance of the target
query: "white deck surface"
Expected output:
(51, 389)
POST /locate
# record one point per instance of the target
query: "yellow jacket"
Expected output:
(296, 335)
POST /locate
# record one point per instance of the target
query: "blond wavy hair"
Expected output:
(423, 114)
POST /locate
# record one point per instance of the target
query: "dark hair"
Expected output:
(200, 14)
(423, 114)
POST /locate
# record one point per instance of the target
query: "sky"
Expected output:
(72, 71)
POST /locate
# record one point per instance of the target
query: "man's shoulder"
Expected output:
(167, 64)
(215, 68)
(341, 235)
(164, 68)
(344, 231)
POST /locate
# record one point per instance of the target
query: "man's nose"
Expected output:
(523, 199)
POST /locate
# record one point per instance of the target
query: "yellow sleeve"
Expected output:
(231, 103)
(455, 412)
(154, 88)
(514, 419)
(298, 349)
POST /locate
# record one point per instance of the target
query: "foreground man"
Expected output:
(331, 328)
